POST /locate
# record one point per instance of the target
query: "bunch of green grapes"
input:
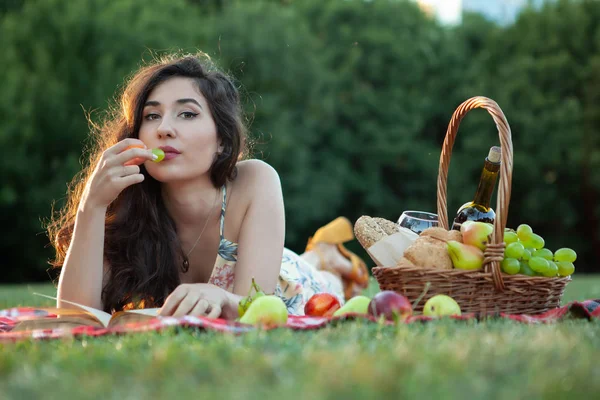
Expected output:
(525, 254)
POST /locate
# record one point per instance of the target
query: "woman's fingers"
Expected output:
(128, 151)
(129, 170)
(111, 174)
(189, 300)
(215, 311)
(124, 145)
(200, 308)
(186, 305)
(130, 180)
(133, 155)
(124, 176)
(173, 300)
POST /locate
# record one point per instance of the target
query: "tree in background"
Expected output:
(543, 71)
(60, 61)
(350, 112)
(348, 100)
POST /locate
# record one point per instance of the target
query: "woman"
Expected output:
(188, 233)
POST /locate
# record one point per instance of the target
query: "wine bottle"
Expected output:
(479, 209)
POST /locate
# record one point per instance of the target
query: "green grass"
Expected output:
(445, 359)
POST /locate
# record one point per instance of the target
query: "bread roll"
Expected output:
(429, 252)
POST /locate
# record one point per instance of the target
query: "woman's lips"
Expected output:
(170, 152)
(170, 155)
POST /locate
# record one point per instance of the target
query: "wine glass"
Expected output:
(417, 221)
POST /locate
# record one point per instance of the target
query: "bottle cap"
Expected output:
(495, 154)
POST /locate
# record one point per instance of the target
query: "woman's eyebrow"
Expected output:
(183, 101)
(153, 103)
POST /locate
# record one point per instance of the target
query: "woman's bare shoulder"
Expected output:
(256, 173)
(255, 182)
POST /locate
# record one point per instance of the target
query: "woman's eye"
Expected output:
(151, 117)
(188, 115)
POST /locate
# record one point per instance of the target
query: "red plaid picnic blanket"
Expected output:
(589, 310)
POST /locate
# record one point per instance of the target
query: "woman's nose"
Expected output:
(165, 129)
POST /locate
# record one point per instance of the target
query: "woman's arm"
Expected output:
(262, 233)
(81, 277)
(82, 273)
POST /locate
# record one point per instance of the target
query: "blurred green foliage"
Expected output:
(348, 100)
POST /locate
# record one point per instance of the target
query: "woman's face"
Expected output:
(177, 119)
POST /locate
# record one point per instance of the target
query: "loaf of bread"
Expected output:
(429, 250)
(369, 230)
(442, 234)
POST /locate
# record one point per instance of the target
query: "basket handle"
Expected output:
(495, 248)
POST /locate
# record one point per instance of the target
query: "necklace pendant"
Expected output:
(186, 263)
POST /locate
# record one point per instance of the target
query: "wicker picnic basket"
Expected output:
(483, 291)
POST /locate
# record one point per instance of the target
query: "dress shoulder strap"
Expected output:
(223, 205)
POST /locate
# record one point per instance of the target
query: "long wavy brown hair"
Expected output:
(141, 245)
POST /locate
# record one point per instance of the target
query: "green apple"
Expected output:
(441, 305)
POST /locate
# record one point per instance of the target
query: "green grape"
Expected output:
(510, 237)
(514, 250)
(537, 241)
(534, 241)
(527, 243)
(159, 153)
(511, 266)
(565, 268)
(539, 264)
(526, 269)
(524, 231)
(565, 254)
(552, 270)
(526, 255)
(544, 253)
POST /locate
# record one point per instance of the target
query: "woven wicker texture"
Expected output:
(487, 290)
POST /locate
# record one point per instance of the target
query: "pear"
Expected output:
(267, 310)
(246, 301)
(356, 305)
(476, 233)
(465, 256)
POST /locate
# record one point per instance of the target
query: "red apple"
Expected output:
(391, 305)
(321, 305)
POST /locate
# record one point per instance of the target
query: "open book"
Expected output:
(84, 316)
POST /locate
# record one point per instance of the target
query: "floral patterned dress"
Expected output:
(298, 279)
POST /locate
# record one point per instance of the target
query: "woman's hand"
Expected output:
(112, 175)
(200, 299)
